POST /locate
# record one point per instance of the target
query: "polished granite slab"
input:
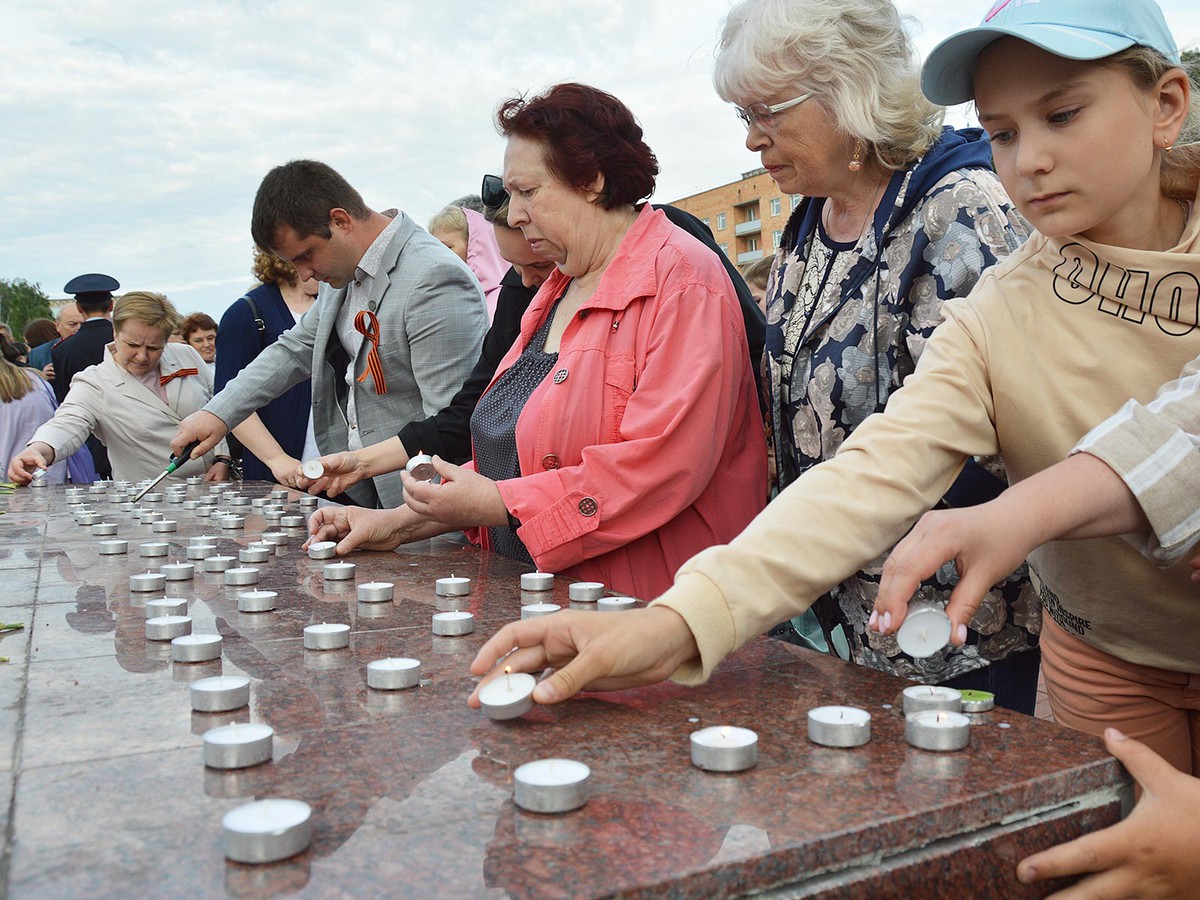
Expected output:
(103, 792)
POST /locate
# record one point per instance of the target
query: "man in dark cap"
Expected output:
(93, 296)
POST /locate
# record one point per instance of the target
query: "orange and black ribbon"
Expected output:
(366, 324)
(178, 373)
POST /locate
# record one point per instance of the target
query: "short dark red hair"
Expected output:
(585, 132)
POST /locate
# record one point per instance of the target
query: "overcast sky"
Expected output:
(134, 134)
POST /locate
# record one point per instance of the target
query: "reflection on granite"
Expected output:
(411, 790)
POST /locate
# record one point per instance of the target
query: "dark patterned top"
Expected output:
(494, 426)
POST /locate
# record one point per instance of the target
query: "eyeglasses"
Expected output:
(764, 116)
(492, 192)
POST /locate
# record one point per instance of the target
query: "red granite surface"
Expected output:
(103, 792)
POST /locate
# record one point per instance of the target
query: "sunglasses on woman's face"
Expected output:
(492, 192)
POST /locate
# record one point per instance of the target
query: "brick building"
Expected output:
(746, 216)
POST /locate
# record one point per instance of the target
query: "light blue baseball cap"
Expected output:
(1075, 29)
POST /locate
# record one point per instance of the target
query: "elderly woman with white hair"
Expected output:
(899, 214)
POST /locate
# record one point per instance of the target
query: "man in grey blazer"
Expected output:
(390, 339)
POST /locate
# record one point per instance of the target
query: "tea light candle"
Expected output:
(723, 748)
(376, 591)
(339, 571)
(308, 501)
(218, 487)
(166, 606)
(925, 631)
(551, 785)
(585, 591)
(87, 518)
(218, 563)
(148, 582)
(96, 487)
(292, 521)
(195, 479)
(977, 701)
(266, 830)
(937, 729)
(164, 526)
(231, 523)
(839, 726)
(220, 693)
(104, 529)
(508, 696)
(191, 504)
(279, 494)
(533, 610)
(153, 498)
(254, 554)
(203, 539)
(241, 502)
(256, 601)
(239, 577)
(322, 550)
(238, 746)
(326, 636)
(204, 511)
(275, 538)
(166, 628)
(178, 571)
(149, 517)
(454, 586)
(455, 622)
(420, 467)
(113, 548)
(201, 551)
(393, 674)
(615, 604)
(192, 648)
(931, 696)
(537, 581)
(155, 548)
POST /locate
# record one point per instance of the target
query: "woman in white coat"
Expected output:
(133, 400)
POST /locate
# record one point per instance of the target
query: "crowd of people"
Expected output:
(603, 395)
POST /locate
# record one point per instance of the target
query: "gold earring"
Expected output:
(1167, 148)
(856, 160)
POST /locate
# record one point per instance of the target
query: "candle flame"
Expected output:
(507, 680)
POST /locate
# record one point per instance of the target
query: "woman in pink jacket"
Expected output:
(621, 433)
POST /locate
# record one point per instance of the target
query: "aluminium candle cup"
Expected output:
(537, 581)
(551, 785)
(153, 498)
(241, 502)
(113, 548)
(533, 610)
(218, 487)
(308, 501)
(393, 674)
(585, 591)
(977, 701)
(508, 696)
(238, 746)
(258, 503)
(266, 831)
(154, 549)
(88, 518)
(339, 571)
(615, 604)
(178, 571)
(203, 539)
(256, 601)
(104, 529)
(254, 554)
(204, 511)
(150, 517)
(201, 551)
(231, 523)
(164, 526)
(454, 623)
(839, 726)
(241, 576)
(279, 494)
(292, 521)
(420, 467)
(195, 479)
(166, 606)
(376, 591)
(147, 582)
(275, 539)
(191, 504)
(926, 696)
(454, 586)
(194, 648)
(925, 630)
(322, 550)
(724, 749)
(219, 563)
(326, 636)
(97, 487)
(166, 628)
(312, 469)
(125, 506)
(220, 693)
(937, 729)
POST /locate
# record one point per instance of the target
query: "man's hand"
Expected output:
(590, 652)
(36, 456)
(1152, 853)
(218, 471)
(199, 426)
(48, 371)
(283, 468)
(341, 471)
(371, 529)
(464, 498)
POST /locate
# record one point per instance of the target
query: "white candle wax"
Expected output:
(551, 785)
(455, 622)
(326, 636)
(220, 693)
(537, 581)
(393, 674)
(339, 571)
(615, 604)
(533, 610)
(238, 745)
(166, 628)
(322, 549)
(931, 696)
(925, 631)
(257, 601)
(292, 521)
(196, 648)
(266, 830)
(937, 729)
(508, 696)
(723, 748)
(454, 586)
(420, 467)
(839, 726)
(376, 591)
(586, 591)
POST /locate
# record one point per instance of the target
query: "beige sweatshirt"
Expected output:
(1050, 342)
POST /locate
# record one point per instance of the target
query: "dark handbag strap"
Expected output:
(258, 320)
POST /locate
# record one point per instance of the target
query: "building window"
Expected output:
(776, 206)
(720, 221)
(751, 213)
(751, 244)
(795, 200)
(776, 239)
(707, 224)
(724, 248)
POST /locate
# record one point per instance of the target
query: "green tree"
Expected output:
(20, 302)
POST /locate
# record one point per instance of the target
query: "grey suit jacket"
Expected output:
(431, 323)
